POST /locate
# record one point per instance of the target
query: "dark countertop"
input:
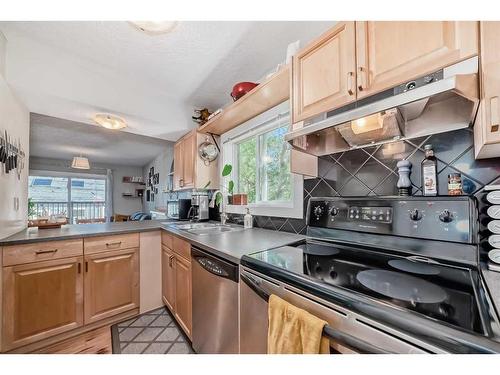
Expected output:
(233, 245)
(228, 245)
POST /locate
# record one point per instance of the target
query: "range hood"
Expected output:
(438, 102)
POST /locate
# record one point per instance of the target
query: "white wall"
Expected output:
(121, 205)
(162, 165)
(14, 117)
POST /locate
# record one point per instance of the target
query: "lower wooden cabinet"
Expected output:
(168, 277)
(41, 299)
(183, 302)
(176, 282)
(111, 283)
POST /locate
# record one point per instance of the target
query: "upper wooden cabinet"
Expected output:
(392, 52)
(111, 283)
(190, 171)
(41, 299)
(324, 73)
(487, 126)
(357, 59)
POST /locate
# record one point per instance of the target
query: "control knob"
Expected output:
(318, 211)
(446, 216)
(415, 215)
(334, 211)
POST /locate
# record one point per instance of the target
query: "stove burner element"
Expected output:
(402, 287)
(413, 267)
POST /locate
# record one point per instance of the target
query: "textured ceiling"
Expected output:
(62, 139)
(72, 70)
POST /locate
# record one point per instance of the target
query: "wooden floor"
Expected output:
(97, 341)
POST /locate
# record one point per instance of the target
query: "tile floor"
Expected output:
(154, 332)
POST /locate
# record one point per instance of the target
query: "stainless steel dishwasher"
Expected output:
(215, 304)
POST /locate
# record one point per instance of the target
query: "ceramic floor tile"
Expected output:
(126, 323)
(143, 321)
(135, 348)
(148, 334)
(129, 333)
(161, 321)
(179, 348)
(158, 348)
(170, 334)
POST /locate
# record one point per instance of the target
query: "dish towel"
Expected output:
(293, 330)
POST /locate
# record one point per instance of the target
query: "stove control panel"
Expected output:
(438, 218)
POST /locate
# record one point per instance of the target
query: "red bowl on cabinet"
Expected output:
(241, 88)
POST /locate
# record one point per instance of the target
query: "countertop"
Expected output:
(228, 245)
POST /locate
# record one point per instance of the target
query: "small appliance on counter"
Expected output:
(199, 206)
(179, 209)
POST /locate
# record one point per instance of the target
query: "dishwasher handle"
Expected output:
(215, 265)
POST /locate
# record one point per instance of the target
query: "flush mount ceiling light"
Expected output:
(154, 27)
(110, 121)
(79, 162)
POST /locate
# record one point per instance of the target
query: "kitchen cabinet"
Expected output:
(391, 52)
(486, 127)
(111, 283)
(168, 277)
(324, 73)
(183, 303)
(176, 280)
(190, 171)
(354, 60)
(41, 299)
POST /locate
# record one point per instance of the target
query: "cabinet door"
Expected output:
(41, 299)
(178, 165)
(392, 52)
(168, 277)
(189, 154)
(487, 126)
(324, 73)
(183, 303)
(111, 283)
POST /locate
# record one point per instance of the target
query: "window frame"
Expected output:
(272, 119)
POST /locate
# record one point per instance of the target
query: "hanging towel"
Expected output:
(293, 330)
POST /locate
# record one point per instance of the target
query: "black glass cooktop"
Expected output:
(434, 290)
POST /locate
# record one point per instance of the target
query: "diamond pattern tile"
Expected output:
(372, 171)
(154, 332)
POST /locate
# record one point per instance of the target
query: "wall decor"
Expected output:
(148, 195)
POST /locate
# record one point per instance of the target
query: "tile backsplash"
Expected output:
(372, 171)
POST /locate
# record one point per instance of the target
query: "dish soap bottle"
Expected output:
(429, 172)
(248, 220)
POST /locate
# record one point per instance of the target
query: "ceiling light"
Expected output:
(79, 162)
(154, 27)
(110, 121)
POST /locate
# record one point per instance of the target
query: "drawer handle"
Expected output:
(45, 252)
(108, 244)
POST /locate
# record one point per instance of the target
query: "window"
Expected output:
(260, 157)
(264, 167)
(81, 200)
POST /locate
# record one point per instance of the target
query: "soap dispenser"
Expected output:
(248, 220)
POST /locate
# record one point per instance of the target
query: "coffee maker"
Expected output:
(199, 206)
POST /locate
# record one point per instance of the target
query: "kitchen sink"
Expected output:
(205, 229)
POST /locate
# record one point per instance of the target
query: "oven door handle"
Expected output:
(345, 339)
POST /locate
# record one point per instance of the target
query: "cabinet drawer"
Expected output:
(39, 251)
(167, 239)
(94, 245)
(181, 247)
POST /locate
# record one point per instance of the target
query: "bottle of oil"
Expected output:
(429, 172)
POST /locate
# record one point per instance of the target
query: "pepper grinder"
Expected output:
(404, 182)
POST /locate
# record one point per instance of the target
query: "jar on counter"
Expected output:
(455, 184)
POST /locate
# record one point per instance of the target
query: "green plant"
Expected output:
(31, 208)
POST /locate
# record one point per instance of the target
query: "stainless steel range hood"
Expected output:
(439, 102)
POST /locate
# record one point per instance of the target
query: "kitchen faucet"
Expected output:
(223, 215)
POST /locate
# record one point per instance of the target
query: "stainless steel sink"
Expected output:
(205, 229)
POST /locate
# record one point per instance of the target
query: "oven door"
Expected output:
(349, 332)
